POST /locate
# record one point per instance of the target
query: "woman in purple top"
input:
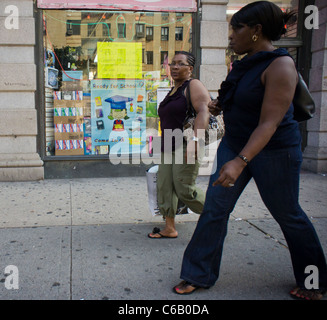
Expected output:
(177, 175)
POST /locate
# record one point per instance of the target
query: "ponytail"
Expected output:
(289, 18)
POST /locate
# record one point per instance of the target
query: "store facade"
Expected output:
(81, 82)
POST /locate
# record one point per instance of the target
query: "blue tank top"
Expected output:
(242, 112)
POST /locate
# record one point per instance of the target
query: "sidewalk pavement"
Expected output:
(86, 239)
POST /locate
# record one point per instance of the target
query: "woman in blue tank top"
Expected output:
(262, 141)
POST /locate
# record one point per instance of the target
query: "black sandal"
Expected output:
(157, 231)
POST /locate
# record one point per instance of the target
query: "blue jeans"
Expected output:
(276, 174)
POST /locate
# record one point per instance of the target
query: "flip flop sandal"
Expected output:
(303, 294)
(157, 231)
(186, 284)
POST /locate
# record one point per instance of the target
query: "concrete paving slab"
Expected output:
(42, 256)
(313, 190)
(29, 204)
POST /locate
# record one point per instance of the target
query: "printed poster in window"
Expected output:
(118, 116)
(153, 82)
(119, 60)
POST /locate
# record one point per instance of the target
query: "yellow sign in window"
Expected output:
(119, 60)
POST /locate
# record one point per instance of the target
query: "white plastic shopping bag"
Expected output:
(151, 177)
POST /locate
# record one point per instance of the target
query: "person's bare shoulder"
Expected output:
(281, 69)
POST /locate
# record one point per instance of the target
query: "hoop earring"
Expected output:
(254, 38)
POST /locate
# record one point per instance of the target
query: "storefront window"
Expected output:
(105, 74)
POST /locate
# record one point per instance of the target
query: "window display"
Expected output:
(103, 73)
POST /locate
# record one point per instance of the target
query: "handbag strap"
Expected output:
(190, 109)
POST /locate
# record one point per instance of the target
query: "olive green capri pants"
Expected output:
(178, 182)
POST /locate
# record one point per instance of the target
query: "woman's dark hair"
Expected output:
(189, 57)
(268, 14)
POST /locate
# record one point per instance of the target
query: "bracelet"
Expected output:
(194, 138)
(245, 159)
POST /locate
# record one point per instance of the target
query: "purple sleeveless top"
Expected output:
(172, 112)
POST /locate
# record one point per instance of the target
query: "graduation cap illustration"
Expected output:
(118, 104)
(118, 107)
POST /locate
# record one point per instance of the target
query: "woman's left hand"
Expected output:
(229, 173)
(214, 107)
